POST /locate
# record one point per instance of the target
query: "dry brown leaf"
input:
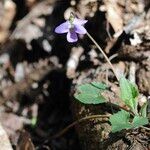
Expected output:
(4, 141)
(25, 142)
(114, 15)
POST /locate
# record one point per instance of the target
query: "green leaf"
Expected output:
(90, 93)
(129, 92)
(143, 110)
(139, 121)
(120, 121)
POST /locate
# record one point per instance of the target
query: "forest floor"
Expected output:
(38, 82)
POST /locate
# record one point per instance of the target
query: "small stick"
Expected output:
(132, 72)
(146, 128)
(76, 122)
(73, 61)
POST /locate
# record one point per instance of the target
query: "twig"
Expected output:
(146, 128)
(73, 61)
(132, 72)
(62, 132)
(76, 122)
(107, 59)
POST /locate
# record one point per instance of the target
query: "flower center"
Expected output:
(71, 29)
(71, 25)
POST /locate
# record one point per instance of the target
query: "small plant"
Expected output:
(124, 119)
(90, 93)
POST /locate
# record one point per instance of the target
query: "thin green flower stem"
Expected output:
(107, 59)
(77, 122)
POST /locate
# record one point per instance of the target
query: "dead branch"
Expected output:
(132, 72)
(73, 61)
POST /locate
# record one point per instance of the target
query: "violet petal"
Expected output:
(80, 29)
(72, 37)
(79, 21)
(62, 28)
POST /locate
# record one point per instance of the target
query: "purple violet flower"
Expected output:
(72, 27)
